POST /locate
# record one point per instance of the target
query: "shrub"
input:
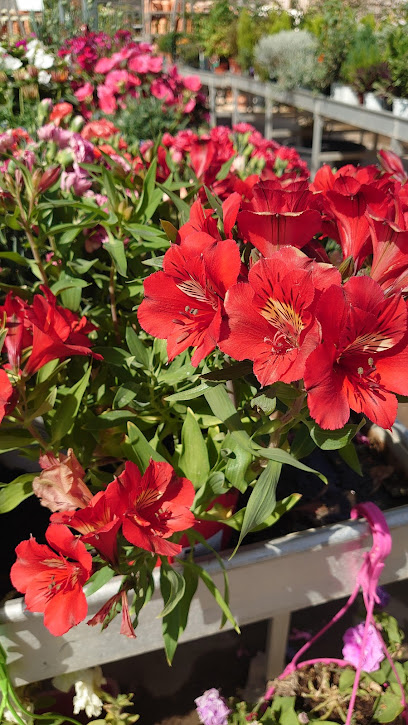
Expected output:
(289, 57)
(364, 62)
(218, 32)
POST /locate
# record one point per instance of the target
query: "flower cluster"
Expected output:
(148, 509)
(35, 334)
(335, 319)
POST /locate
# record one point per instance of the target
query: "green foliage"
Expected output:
(246, 38)
(397, 58)
(335, 24)
(218, 34)
(363, 63)
(289, 58)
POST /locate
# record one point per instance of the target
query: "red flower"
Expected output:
(156, 504)
(18, 334)
(60, 111)
(363, 356)
(389, 266)
(57, 332)
(276, 217)
(8, 395)
(98, 522)
(103, 616)
(51, 583)
(184, 303)
(271, 319)
(99, 129)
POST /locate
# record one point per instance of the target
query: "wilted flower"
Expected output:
(87, 684)
(373, 652)
(212, 708)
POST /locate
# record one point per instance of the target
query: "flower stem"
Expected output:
(112, 296)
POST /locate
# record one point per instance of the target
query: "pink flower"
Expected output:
(77, 180)
(373, 650)
(192, 83)
(85, 92)
(374, 559)
(107, 101)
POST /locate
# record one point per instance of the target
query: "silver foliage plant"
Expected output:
(288, 57)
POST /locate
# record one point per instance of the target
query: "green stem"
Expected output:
(112, 297)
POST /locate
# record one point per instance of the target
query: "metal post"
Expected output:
(268, 131)
(234, 115)
(317, 141)
(84, 11)
(276, 642)
(61, 13)
(213, 110)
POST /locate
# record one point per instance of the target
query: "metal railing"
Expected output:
(321, 107)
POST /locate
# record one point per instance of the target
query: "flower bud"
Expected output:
(49, 178)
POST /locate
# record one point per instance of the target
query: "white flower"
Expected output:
(9, 62)
(44, 77)
(36, 54)
(87, 684)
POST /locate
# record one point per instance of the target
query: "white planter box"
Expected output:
(400, 107)
(267, 580)
(344, 93)
(35, 6)
(373, 102)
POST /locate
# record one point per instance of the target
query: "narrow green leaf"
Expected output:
(224, 409)
(277, 454)
(125, 394)
(15, 492)
(174, 592)
(98, 580)
(349, 455)
(138, 449)
(214, 202)
(13, 438)
(137, 347)
(148, 188)
(116, 249)
(67, 410)
(189, 394)
(209, 583)
(169, 229)
(175, 622)
(331, 440)
(262, 500)
(235, 371)
(193, 460)
(237, 463)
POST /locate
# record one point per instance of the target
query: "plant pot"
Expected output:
(311, 567)
(400, 107)
(373, 102)
(344, 93)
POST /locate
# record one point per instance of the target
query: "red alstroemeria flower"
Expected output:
(389, 266)
(277, 217)
(8, 394)
(363, 356)
(184, 303)
(156, 504)
(99, 129)
(52, 582)
(270, 318)
(57, 332)
(18, 334)
(98, 522)
(392, 164)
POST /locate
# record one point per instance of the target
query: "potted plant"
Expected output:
(288, 57)
(364, 66)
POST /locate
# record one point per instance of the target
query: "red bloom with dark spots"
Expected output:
(52, 580)
(156, 505)
(184, 303)
(362, 360)
(271, 318)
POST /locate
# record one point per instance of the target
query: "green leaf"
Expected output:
(149, 182)
(265, 401)
(137, 348)
(98, 580)
(175, 622)
(349, 455)
(207, 580)
(277, 454)
(14, 257)
(138, 449)
(225, 168)
(67, 410)
(169, 229)
(346, 680)
(15, 492)
(237, 463)
(193, 459)
(172, 586)
(262, 500)
(224, 409)
(13, 438)
(116, 249)
(302, 444)
(180, 204)
(125, 394)
(389, 707)
(113, 355)
(189, 394)
(332, 440)
(65, 281)
(281, 508)
(214, 202)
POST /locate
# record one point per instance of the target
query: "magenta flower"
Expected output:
(373, 653)
(212, 708)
